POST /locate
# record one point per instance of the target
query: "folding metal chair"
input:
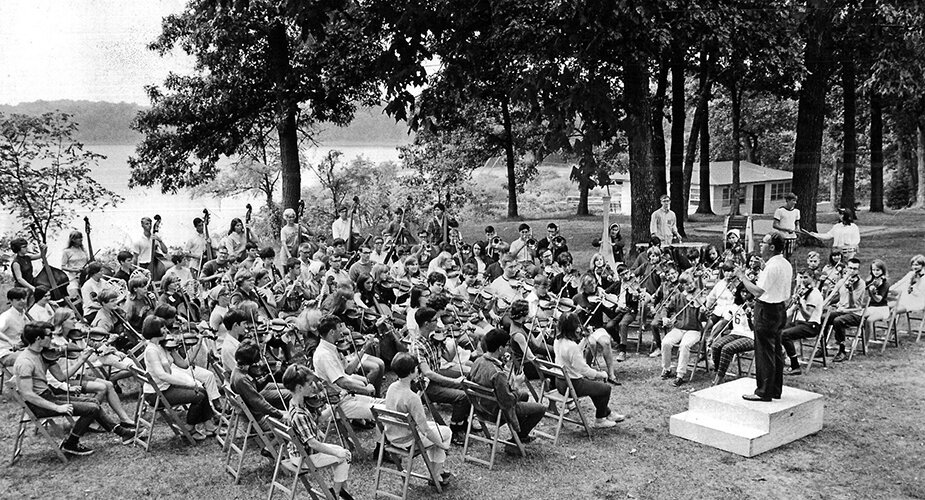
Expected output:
(41, 427)
(300, 467)
(554, 399)
(404, 421)
(146, 414)
(252, 430)
(480, 396)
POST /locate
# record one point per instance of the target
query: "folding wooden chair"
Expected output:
(698, 356)
(553, 399)
(301, 467)
(225, 416)
(745, 356)
(340, 424)
(252, 430)
(41, 427)
(4, 375)
(638, 326)
(892, 333)
(404, 421)
(860, 336)
(146, 414)
(480, 396)
(818, 344)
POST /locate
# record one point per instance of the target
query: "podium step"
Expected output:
(719, 417)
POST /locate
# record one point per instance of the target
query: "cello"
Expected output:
(299, 212)
(247, 222)
(156, 267)
(209, 253)
(353, 212)
(50, 277)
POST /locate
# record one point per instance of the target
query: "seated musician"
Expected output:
(213, 270)
(254, 382)
(21, 267)
(105, 319)
(436, 283)
(720, 301)
(183, 358)
(31, 371)
(250, 256)
(383, 284)
(586, 381)
(628, 310)
(65, 336)
(733, 249)
(526, 346)
(90, 290)
(642, 258)
(246, 290)
(681, 317)
(604, 330)
(470, 275)
(364, 265)
(806, 311)
(851, 294)
(813, 259)
(378, 253)
(502, 287)
(539, 300)
(601, 272)
(174, 381)
(124, 259)
(444, 386)
(489, 371)
(41, 310)
(140, 302)
(305, 386)
(180, 269)
(910, 290)
(12, 322)
(402, 398)
(831, 273)
(332, 367)
(266, 261)
(740, 337)
(291, 291)
(335, 271)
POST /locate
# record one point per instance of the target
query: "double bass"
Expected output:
(209, 253)
(52, 278)
(91, 254)
(156, 267)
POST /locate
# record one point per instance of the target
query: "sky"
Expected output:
(83, 49)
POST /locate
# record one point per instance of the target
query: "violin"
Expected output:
(53, 354)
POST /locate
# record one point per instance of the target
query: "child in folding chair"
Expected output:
(910, 290)
(741, 336)
(31, 371)
(401, 397)
(806, 311)
(681, 316)
(586, 380)
(306, 385)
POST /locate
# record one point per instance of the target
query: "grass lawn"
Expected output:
(872, 445)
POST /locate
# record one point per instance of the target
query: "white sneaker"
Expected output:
(655, 354)
(616, 417)
(603, 423)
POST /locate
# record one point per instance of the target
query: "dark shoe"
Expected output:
(344, 495)
(127, 435)
(678, 382)
(527, 439)
(621, 356)
(754, 397)
(95, 429)
(819, 353)
(266, 453)
(75, 448)
(128, 425)
(666, 374)
(841, 356)
(511, 451)
(459, 438)
(794, 371)
(445, 478)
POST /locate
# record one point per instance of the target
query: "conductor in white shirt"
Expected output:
(771, 290)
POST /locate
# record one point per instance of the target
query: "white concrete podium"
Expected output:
(719, 417)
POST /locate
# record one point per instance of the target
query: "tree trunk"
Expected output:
(920, 164)
(811, 114)
(278, 49)
(705, 206)
(658, 130)
(736, 146)
(638, 135)
(509, 153)
(678, 118)
(876, 153)
(850, 141)
(583, 189)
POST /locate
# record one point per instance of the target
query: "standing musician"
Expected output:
(845, 236)
(31, 371)
(523, 248)
(21, 267)
(397, 229)
(235, 242)
(663, 223)
(787, 221)
(806, 311)
(290, 235)
(681, 317)
(438, 228)
(771, 291)
(73, 260)
(197, 245)
(141, 247)
(340, 228)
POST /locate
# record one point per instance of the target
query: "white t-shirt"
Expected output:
(740, 325)
(142, 248)
(816, 299)
(845, 236)
(328, 363)
(775, 280)
(788, 220)
(340, 229)
(11, 324)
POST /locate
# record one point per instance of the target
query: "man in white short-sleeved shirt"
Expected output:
(331, 367)
(771, 292)
(787, 221)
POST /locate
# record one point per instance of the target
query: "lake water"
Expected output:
(118, 226)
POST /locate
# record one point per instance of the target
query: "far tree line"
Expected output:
(520, 79)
